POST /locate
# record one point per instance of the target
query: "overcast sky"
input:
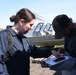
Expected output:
(47, 9)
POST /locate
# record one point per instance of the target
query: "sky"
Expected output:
(45, 9)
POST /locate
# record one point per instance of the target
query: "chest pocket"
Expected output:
(26, 45)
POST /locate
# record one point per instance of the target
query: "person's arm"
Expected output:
(3, 48)
(36, 52)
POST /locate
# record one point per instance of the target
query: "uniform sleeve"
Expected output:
(39, 52)
(3, 49)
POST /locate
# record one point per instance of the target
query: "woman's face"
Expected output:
(27, 26)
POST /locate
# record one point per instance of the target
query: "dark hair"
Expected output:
(25, 14)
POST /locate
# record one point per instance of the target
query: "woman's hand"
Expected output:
(57, 54)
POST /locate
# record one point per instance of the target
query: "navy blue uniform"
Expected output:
(22, 50)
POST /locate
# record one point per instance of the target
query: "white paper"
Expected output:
(51, 62)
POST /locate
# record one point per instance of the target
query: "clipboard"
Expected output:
(54, 61)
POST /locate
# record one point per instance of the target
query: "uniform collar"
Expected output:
(11, 30)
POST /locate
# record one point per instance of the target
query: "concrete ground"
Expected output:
(36, 69)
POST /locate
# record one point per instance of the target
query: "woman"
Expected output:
(22, 49)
